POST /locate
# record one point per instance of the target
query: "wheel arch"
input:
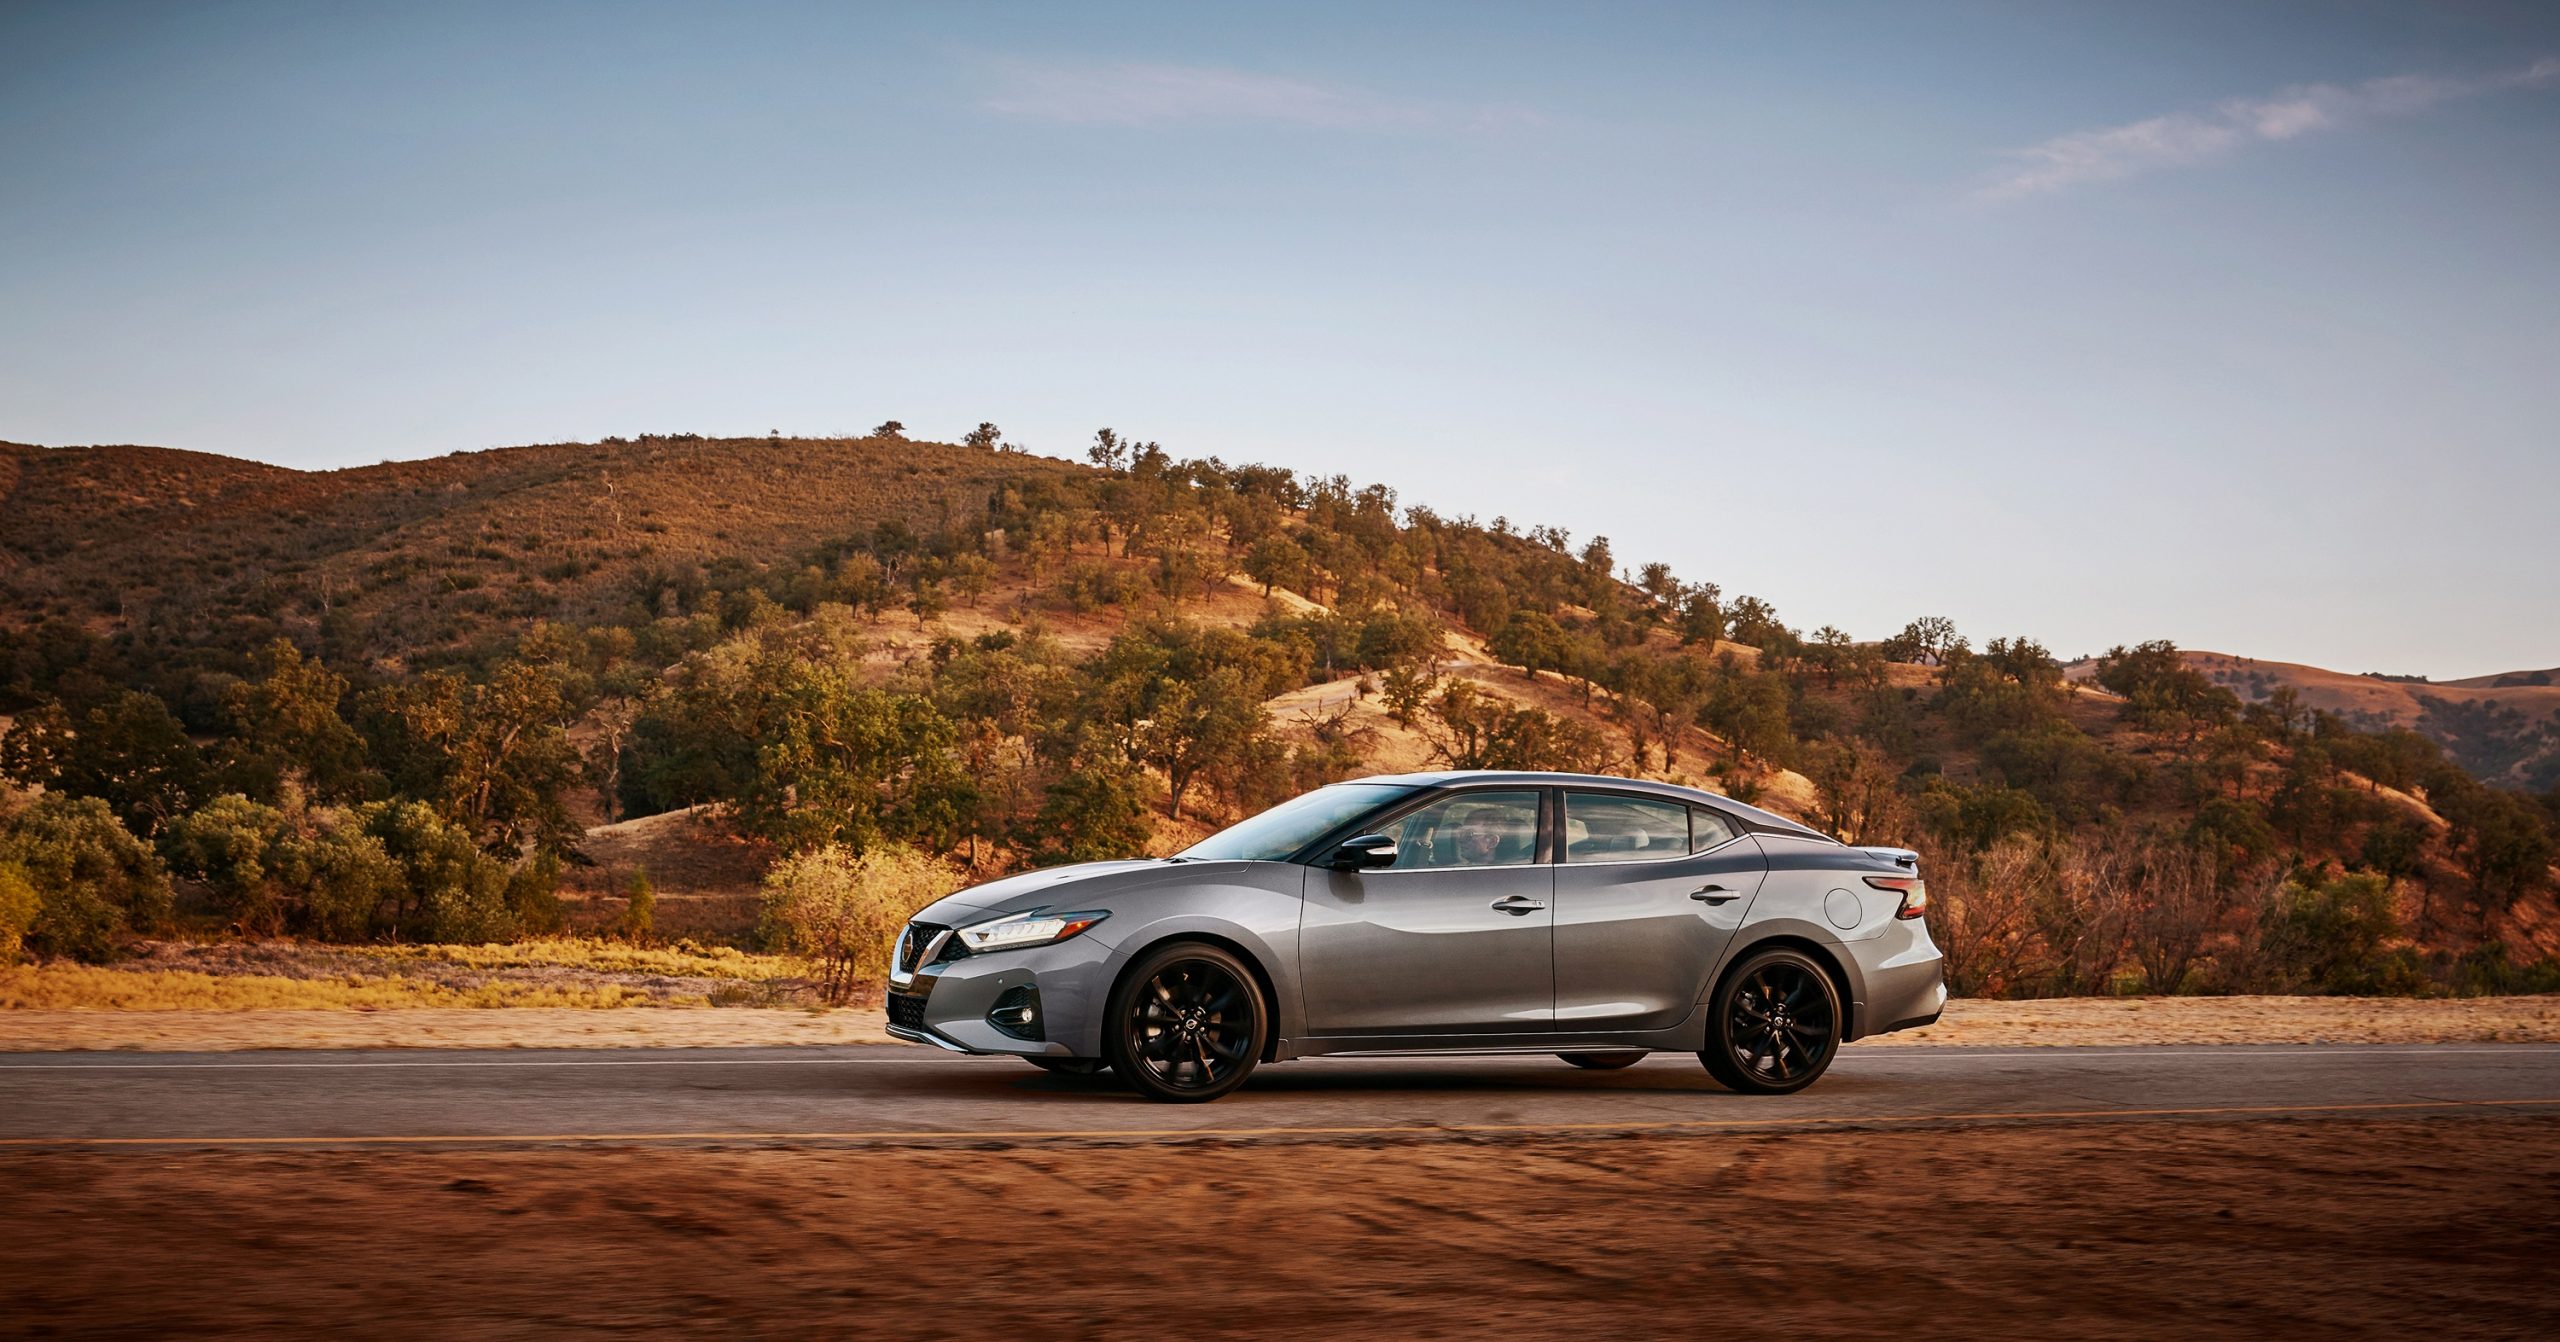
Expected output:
(1834, 966)
(1262, 980)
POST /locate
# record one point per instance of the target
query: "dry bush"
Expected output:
(1979, 914)
(2182, 899)
(2081, 912)
(843, 909)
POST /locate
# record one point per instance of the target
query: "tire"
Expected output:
(1775, 1026)
(1185, 1024)
(1071, 1066)
(1603, 1062)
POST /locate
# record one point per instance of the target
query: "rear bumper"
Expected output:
(1905, 982)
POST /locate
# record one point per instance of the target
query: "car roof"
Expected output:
(1754, 817)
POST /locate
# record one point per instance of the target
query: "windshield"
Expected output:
(1276, 835)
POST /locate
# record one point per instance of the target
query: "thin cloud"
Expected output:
(2183, 138)
(1136, 94)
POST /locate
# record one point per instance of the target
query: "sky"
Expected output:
(2237, 325)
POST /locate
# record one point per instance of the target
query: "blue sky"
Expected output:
(2233, 325)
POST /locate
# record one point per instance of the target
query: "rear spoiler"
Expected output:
(1900, 857)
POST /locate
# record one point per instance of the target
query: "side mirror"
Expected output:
(1366, 852)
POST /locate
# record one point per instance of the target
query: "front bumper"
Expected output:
(972, 1004)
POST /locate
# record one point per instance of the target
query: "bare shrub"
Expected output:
(2082, 913)
(1978, 914)
(2182, 898)
(842, 910)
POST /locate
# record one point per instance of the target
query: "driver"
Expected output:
(1488, 838)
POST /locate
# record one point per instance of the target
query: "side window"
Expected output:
(1599, 827)
(1474, 829)
(1707, 829)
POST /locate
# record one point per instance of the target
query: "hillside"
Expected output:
(2503, 728)
(689, 658)
(391, 561)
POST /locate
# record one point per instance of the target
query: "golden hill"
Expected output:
(415, 554)
(2504, 728)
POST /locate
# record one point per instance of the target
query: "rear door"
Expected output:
(1648, 892)
(1458, 937)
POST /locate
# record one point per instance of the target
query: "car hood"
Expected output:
(1053, 888)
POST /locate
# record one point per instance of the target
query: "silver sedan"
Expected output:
(1599, 919)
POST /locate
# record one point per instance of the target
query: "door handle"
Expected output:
(1516, 904)
(1714, 894)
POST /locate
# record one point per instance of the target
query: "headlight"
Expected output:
(1039, 927)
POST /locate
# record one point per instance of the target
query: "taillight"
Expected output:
(1914, 892)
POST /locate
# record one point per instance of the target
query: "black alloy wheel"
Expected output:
(1603, 1062)
(1186, 1024)
(1070, 1066)
(1776, 1025)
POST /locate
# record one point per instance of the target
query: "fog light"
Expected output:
(1017, 1013)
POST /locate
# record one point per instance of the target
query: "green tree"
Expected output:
(1276, 561)
(227, 844)
(1534, 642)
(94, 881)
(493, 757)
(285, 723)
(1198, 726)
(1927, 640)
(2500, 839)
(2330, 934)
(1753, 621)
(2162, 693)
(1093, 812)
(128, 751)
(449, 889)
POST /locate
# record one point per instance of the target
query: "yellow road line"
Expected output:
(1407, 1130)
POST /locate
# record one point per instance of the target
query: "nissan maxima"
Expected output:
(1597, 919)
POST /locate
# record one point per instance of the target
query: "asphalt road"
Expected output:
(909, 1096)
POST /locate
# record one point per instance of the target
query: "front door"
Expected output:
(1456, 938)
(1648, 894)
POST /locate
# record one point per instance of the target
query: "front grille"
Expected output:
(911, 947)
(906, 1009)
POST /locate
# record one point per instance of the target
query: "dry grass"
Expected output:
(74, 987)
(683, 960)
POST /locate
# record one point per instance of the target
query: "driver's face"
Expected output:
(1479, 840)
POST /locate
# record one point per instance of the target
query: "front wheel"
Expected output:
(1185, 1024)
(1602, 1062)
(1776, 1025)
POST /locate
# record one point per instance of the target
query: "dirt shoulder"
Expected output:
(2440, 1229)
(2067, 1021)
(2243, 1020)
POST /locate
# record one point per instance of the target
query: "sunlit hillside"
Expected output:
(687, 658)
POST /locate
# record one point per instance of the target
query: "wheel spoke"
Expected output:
(1191, 1027)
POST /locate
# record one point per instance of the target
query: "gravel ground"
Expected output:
(2437, 1229)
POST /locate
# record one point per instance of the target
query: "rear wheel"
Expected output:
(1185, 1024)
(1071, 1066)
(1776, 1025)
(1602, 1062)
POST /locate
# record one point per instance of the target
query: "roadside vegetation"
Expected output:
(392, 715)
